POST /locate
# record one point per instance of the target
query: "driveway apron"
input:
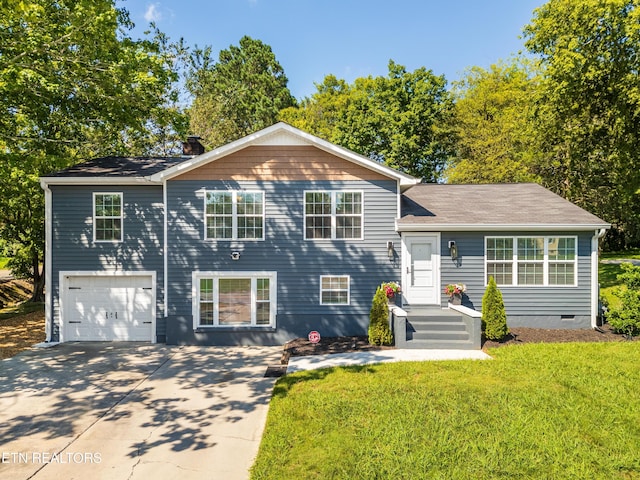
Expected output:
(133, 411)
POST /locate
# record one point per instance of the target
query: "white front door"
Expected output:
(420, 266)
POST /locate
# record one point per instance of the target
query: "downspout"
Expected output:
(165, 253)
(48, 287)
(595, 286)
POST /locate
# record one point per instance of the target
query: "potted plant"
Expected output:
(391, 289)
(455, 291)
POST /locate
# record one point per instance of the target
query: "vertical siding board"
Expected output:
(298, 262)
(73, 248)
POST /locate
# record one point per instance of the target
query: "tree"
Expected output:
(493, 125)
(494, 316)
(401, 120)
(238, 95)
(321, 114)
(589, 105)
(72, 85)
(379, 331)
(625, 317)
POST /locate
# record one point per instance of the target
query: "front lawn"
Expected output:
(535, 411)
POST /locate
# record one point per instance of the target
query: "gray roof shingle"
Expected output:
(492, 204)
(120, 167)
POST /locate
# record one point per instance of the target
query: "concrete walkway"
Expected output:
(133, 411)
(312, 362)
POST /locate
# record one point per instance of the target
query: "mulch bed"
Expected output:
(301, 346)
(21, 333)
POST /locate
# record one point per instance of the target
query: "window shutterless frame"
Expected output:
(234, 299)
(333, 214)
(108, 217)
(532, 261)
(335, 290)
(234, 215)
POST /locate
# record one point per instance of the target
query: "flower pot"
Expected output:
(391, 300)
(456, 299)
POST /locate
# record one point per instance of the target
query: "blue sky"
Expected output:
(349, 38)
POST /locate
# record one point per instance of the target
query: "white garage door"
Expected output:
(108, 307)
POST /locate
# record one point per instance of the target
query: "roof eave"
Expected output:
(46, 181)
(497, 227)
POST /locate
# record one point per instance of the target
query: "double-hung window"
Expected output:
(234, 215)
(333, 215)
(334, 290)
(107, 217)
(520, 261)
(229, 299)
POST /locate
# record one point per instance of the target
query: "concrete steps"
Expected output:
(436, 328)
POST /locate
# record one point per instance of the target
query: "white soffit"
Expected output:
(282, 138)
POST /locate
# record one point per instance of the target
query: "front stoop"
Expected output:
(437, 328)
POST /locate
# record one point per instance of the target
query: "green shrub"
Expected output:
(494, 316)
(379, 331)
(625, 316)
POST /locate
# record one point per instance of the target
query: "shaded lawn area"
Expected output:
(535, 411)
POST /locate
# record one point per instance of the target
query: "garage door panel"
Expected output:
(102, 308)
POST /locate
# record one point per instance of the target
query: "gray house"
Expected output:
(280, 233)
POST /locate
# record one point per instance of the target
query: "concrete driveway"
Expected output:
(133, 411)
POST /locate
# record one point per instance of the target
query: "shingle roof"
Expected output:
(120, 167)
(491, 205)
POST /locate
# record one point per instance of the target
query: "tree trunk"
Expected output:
(38, 280)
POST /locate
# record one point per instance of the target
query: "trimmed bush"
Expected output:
(625, 318)
(494, 316)
(379, 331)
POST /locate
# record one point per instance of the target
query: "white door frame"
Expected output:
(406, 262)
(62, 294)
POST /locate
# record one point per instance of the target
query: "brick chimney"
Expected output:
(192, 146)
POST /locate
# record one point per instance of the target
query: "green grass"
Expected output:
(535, 411)
(22, 309)
(3, 263)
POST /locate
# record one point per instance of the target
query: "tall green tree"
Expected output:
(237, 95)
(401, 120)
(589, 107)
(73, 84)
(493, 124)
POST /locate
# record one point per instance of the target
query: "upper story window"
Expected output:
(532, 260)
(234, 215)
(333, 215)
(107, 217)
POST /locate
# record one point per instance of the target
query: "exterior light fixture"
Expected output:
(390, 251)
(453, 249)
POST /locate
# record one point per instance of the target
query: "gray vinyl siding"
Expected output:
(73, 248)
(298, 262)
(548, 307)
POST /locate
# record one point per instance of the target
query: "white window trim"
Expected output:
(234, 216)
(545, 261)
(121, 217)
(195, 297)
(333, 194)
(348, 277)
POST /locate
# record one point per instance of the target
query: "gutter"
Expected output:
(498, 227)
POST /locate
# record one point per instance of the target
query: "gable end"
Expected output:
(281, 163)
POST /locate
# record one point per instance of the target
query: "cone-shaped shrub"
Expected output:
(379, 331)
(494, 316)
